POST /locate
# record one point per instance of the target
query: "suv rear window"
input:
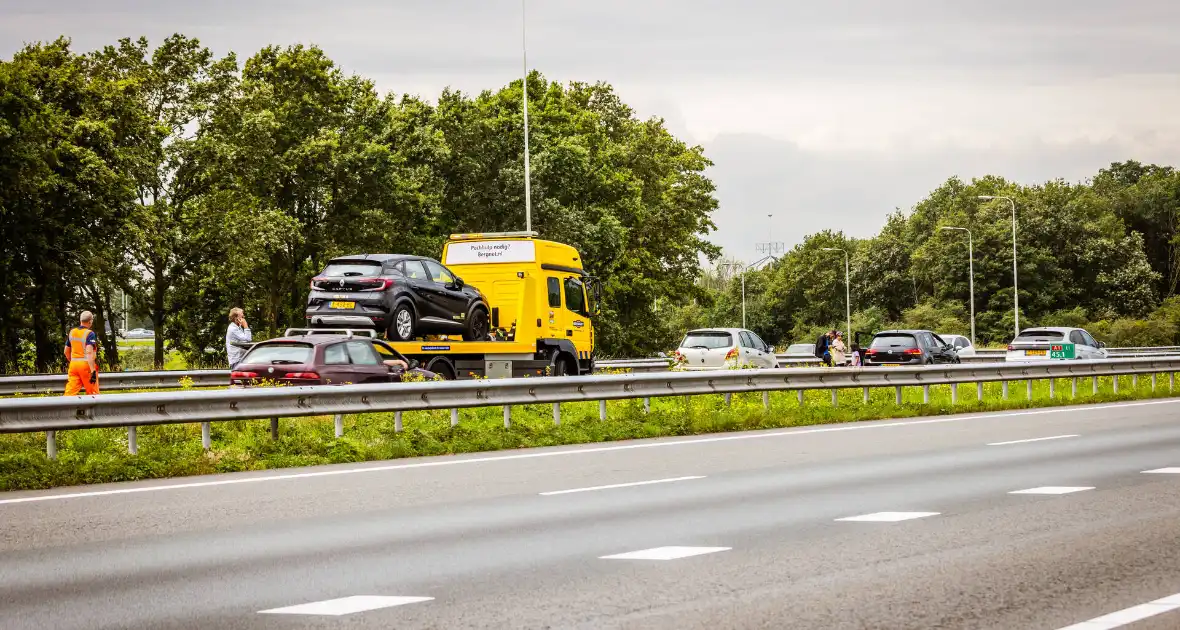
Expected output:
(279, 354)
(707, 340)
(1041, 334)
(894, 340)
(349, 268)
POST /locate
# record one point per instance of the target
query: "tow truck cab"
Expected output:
(541, 300)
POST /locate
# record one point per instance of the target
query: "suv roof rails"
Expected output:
(350, 332)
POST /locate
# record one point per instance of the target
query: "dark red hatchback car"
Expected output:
(324, 359)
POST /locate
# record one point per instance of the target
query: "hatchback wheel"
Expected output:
(477, 326)
(401, 326)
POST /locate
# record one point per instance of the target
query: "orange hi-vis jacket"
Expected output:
(78, 338)
(79, 372)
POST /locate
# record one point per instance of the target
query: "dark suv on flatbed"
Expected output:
(404, 296)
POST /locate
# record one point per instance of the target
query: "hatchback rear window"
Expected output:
(347, 269)
(707, 340)
(1040, 334)
(279, 354)
(899, 340)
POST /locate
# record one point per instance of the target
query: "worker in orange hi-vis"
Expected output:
(81, 352)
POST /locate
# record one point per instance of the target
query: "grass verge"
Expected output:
(100, 455)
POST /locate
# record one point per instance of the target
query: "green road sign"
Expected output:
(1063, 351)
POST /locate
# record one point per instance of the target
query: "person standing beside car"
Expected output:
(837, 349)
(238, 332)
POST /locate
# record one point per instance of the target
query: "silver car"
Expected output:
(1047, 343)
(723, 348)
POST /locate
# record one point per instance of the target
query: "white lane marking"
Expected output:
(887, 517)
(620, 485)
(581, 451)
(1040, 439)
(1163, 471)
(1130, 615)
(665, 553)
(1053, 490)
(345, 605)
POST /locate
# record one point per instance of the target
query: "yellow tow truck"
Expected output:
(542, 302)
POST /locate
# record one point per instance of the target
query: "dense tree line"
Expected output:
(193, 183)
(1104, 254)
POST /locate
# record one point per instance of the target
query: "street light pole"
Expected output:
(742, 268)
(524, 89)
(970, 274)
(1015, 291)
(847, 291)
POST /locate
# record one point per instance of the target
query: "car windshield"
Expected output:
(279, 354)
(894, 340)
(1050, 335)
(709, 340)
(348, 268)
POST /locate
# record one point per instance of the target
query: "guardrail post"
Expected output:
(1028, 389)
(766, 400)
(1052, 389)
(1073, 390)
(925, 394)
(1005, 389)
(866, 395)
(1094, 385)
(1171, 381)
(51, 444)
(1153, 382)
(954, 393)
(647, 405)
(602, 409)
(397, 422)
(274, 428)
(206, 436)
(1135, 382)
(1116, 383)
(507, 416)
(454, 416)
(557, 414)
(132, 445)
(979, 391)
(728, 398)
(897, 394)
(835, 399)
(339, 421)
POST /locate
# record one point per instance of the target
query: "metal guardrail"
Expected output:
(23, 415)
(171, 379)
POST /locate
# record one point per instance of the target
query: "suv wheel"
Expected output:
(401, 325)
(477, 325)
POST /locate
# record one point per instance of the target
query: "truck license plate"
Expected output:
(1034, 353)
(343, 305)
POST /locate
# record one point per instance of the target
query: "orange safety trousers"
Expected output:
(79, 379)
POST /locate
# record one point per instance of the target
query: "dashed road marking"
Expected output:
(345, 605)
(1053, 490)
(664, 553)
(620, 485)
(1163, 471)
(887, 517)
(1040, 439)
(1130, 615)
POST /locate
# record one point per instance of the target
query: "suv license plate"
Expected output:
(343, 305)
(890, 365)
(1034, 353)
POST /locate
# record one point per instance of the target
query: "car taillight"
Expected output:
(375, 284)
(870, 351)
(1010, 348)
(732, 354)
(304, 375)
(236, 374)
(913, 351)
(314, 286)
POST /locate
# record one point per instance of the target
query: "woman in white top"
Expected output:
(837, 349)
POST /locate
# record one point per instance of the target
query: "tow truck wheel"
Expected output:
(562, 365)
(442, 367)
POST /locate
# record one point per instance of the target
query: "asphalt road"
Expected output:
(749, 525)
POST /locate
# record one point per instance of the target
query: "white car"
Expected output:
(723, 348)
(801, 350)
(139, 333)
(1045, 343)
(963, 346)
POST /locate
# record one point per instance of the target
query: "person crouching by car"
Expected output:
(237, 332)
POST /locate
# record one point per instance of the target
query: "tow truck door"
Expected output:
(576, 313)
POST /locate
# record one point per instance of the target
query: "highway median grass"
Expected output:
(101, 455)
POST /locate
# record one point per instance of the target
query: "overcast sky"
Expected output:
(825, 114)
